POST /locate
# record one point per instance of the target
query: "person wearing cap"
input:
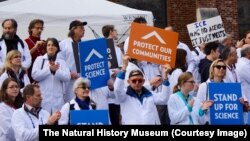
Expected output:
(138, 104)
(68, 47)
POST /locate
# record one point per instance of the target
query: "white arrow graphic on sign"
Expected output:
(93, 52)
(154, 33)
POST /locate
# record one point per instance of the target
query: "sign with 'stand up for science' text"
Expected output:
(206, 31)
(152, 44)
(227, 109)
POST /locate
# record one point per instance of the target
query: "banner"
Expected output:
(227, 109)
(94, 62)
(206, 31)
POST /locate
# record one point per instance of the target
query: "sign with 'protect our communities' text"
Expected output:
(152, 44)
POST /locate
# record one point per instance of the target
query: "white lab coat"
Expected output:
(189, 58)
(230, 76)
(64, 120)
(26, 125)
(67, 55)
(26, 57)
(51, 86)
(242, 70)
(173, 78)
(4, 76)
(6, 131)
(100, 97)
(179, 113)
(135, 112)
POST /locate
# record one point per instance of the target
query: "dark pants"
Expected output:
(163, 114)
(114, 114)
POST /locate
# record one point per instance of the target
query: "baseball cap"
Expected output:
(76, 23)
(135, 73)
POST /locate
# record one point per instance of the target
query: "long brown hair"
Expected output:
(4, 96)
(182, 78)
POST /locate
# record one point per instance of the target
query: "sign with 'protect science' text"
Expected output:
(93, 62)
(206, 31)
(227, 109)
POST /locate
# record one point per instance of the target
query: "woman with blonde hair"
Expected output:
(183, 108)
(217, 72)
(13, 68)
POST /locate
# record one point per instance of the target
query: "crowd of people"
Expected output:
(40, 82)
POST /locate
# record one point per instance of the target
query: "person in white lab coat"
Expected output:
(26, 120)
(229, 56)
(138, 104)
(10, 41)
(82, 100)
(68, 47)
(10, 99)
(13, 68)
(183, 108)
(242, 68)
(50, 72)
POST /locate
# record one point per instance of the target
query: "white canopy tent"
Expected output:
(57, 15)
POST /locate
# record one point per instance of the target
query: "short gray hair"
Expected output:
(79, 81)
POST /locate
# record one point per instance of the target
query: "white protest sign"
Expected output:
(206, 31)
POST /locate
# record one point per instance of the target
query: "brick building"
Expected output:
(179, 13)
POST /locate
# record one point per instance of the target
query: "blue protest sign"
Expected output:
(93, 62)
(248, 118)
(89, 117)
(227, 109)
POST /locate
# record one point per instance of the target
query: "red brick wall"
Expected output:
(180, 13)
(183, 12)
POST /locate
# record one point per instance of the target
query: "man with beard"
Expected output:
(10, 41)
(26, 120)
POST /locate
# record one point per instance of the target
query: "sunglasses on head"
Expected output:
(137, 80)
(220, 66)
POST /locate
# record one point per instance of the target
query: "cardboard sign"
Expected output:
(111, 54)
(227, 109)
(94, 62)
(206, 31)
(89, 117)
(152, 44)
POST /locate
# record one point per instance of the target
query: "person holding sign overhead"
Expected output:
(183, 108)
(138, 104)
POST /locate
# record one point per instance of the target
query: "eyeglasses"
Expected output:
(137, 80)
(191, 81)
(85, 88)
(17, 56)
(219, 67)
(39, 28)
(13, 87)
